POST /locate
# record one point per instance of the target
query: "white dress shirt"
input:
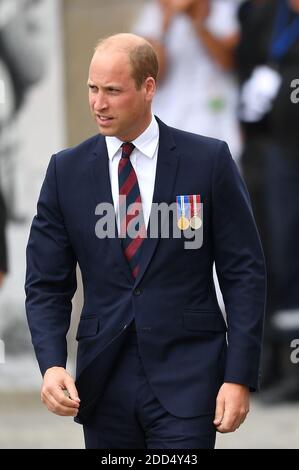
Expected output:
(144, 161)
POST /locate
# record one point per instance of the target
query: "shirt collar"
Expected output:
(146, 142)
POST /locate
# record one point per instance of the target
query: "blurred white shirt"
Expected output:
(196, 95)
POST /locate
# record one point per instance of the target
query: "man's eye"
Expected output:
(92, 87)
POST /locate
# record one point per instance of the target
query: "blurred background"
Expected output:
(228, 69)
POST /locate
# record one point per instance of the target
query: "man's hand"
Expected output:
(232, 406)
(168, 12)
(199, 11)
(178, 6)
(57, 381)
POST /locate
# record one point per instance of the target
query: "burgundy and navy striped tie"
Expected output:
(129, 195)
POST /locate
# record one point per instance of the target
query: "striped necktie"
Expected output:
(132, 234)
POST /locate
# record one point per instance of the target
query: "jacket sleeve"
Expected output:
(240, 269)
(50, 277)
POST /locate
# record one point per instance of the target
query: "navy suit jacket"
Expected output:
(185, 348)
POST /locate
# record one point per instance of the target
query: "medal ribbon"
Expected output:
(194, 201)
(183, 207)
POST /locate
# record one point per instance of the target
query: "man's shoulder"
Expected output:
(81, 150)
(196, 139)
(191, 140)
(196, 146)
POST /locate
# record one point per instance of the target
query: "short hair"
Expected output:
(142, 57)
(144, 63)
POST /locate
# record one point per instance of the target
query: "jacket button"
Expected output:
(137, 292)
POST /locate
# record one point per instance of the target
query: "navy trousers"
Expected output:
(128, 415)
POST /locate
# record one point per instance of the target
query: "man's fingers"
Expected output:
(243, 416)
(60, 405)
(71, 388)
(62, 399)
(227, 421)
(61, 410)
(219, 413)
(233, 404)
(232, 420)
(58, 394)
(227, 426)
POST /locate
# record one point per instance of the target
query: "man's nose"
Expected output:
(100, 102)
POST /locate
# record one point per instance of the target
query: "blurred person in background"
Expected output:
(22, 65)
(154, 368)
(268, 61)
(195, 41)
(3, 250)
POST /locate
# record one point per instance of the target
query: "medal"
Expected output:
(195, 221)
(183, 223)
(183, 209)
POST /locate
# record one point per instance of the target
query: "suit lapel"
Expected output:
(166, 171)
(101, 186)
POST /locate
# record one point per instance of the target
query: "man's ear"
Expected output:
(150, 87)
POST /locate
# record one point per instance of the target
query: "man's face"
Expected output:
(118, 107)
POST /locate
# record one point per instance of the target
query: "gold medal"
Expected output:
(183, 207)
(195, 222)
(183, 223)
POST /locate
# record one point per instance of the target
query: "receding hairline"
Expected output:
(122, 42)
(139, 52)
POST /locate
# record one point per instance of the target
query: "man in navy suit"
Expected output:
(157, 365)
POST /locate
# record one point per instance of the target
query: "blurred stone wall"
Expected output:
(85, 21)
(32, 66)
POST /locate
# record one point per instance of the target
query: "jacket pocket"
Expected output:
(88, 326)
(200, 320)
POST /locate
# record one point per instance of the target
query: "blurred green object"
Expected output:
(216, 104)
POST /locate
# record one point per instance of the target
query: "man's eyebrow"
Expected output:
(112, 85)
(105, 87)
